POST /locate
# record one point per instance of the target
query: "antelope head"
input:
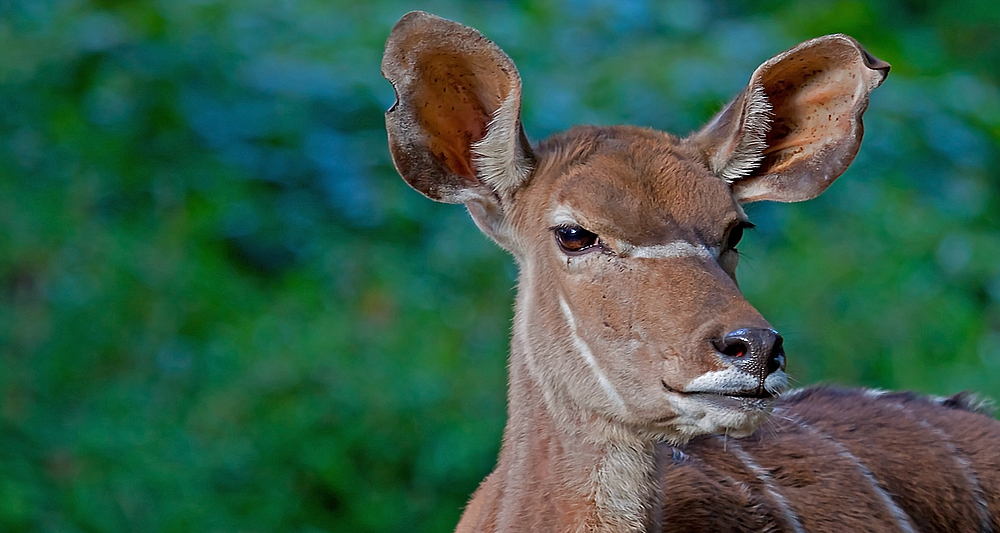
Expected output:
(628, 310)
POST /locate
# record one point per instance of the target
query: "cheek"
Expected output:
(628, 310)
(615, 312)
(651, 327)
(626, 340)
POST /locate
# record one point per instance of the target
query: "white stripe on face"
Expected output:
(672, 250)
(521, 330)
(734, 381)
(588, 356)
(563, 216)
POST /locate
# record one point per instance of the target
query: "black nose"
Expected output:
(756, 351)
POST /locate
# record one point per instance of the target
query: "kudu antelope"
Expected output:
(636, 362)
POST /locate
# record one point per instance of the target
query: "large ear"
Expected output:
(455, 131)
(797, 125)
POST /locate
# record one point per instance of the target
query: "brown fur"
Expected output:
(617, 356)
(937, 461)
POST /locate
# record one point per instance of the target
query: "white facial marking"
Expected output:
(588, 356)
(765, 477)
(733, 380)
(563, 216)
(698, 415)
(722, 381)
(776, 382)
(672, 250)
(901, 518)
(522, 332)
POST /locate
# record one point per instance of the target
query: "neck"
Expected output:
(563, 470)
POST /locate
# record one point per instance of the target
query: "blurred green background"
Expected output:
(221, 310)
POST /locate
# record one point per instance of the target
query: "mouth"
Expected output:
(742, 395)
(734, 411)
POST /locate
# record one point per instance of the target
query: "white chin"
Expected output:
(700, 414)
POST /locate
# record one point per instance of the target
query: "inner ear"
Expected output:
(814, 99)
(454, 132)
(455, 104)
(797, 125)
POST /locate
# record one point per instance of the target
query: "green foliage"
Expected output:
(221, 310)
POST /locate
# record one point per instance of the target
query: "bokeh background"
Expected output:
(222, 311)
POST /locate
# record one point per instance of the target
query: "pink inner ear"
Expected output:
(815, 101)
(455, 101)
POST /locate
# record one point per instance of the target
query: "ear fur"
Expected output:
(797, 125)
(455, 131)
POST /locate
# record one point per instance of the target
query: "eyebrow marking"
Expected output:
(672, 250)
(563, 216)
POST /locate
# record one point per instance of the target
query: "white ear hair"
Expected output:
(499, 158)
(454, 132)
(739, 161)
(797, 125)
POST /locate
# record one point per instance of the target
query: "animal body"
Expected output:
(645, 391)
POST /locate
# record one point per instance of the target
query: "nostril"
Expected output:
(735, 348)
(776, 361)
(757, 351)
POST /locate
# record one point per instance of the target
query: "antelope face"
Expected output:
(627, 245)
(627, 309)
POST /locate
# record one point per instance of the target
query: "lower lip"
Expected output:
(741, 403)
(725, 400)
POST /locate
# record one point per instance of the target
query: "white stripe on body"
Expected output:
(964, 465)
(765, 477)
(898, 513)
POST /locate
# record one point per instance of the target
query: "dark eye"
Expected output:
(574, 239)
(736, 234)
